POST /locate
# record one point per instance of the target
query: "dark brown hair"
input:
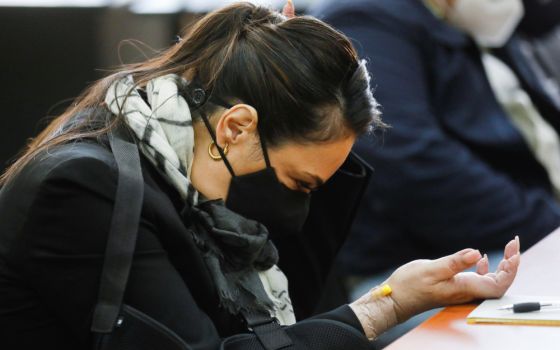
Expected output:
(302, 76)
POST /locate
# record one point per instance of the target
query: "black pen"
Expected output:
(530, 306)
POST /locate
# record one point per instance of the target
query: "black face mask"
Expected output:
(261, 196)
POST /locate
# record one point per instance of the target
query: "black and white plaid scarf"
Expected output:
(164, 127)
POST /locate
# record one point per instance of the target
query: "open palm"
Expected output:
(424, 284)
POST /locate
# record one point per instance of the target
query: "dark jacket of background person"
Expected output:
(453, 170)
(541, 17)
(54, 220)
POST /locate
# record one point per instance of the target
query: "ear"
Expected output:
(237, 124)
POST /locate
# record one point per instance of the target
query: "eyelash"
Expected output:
(302, 185)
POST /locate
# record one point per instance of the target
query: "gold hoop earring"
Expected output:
(219, 156)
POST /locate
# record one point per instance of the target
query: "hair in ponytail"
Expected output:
(302, 76)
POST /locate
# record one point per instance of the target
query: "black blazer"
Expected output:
(54, 220)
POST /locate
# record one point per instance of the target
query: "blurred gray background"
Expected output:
(52, 49)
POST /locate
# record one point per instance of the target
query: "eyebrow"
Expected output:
(316, 179)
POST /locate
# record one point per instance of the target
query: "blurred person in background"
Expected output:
(472, 153)
(234, 127)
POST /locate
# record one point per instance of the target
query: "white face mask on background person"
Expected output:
(490, 22)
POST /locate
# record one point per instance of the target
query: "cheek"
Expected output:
(246, 159)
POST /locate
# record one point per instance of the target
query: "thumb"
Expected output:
(448, 266)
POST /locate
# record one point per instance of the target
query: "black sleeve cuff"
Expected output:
(345, 315)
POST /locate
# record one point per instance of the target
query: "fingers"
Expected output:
(482, 266)
(511, 264)
(449, 266)
(506, 272)
(512, 248)
(493, 285)
(505, 277)
(456, 286)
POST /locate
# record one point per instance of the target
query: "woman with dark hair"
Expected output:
(235, 125)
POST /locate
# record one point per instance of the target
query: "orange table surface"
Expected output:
(539, 274)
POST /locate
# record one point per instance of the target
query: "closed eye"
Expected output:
(305, 186)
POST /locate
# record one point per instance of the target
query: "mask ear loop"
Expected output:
(196, 97)
(264, 148)
(213, 136)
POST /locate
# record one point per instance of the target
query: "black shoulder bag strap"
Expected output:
(122, 233)
(267, 330)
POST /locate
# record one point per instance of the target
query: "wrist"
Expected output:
(375, 315)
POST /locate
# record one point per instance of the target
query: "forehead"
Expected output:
(318, 159)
